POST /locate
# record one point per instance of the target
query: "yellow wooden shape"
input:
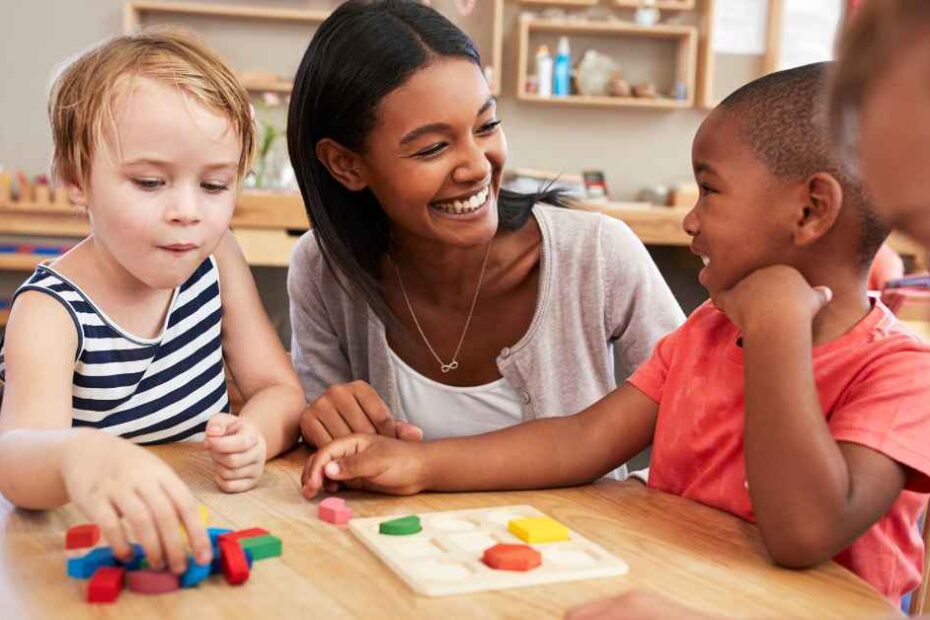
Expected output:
(538, 530)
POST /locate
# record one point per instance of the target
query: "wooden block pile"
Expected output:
(233, 554)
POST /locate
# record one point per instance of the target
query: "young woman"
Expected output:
(427, 300)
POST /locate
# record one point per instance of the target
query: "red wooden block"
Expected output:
(249, 533)
(334, 510)
(81, 536)
(105, 585)
(512, 557)
(151, 581)
(235, 565)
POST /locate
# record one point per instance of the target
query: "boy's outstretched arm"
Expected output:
(811, 495)
(269, 421)
(558, 451)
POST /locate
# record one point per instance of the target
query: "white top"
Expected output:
(449, 411)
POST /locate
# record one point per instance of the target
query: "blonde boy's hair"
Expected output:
(865, 49)
(82, 96)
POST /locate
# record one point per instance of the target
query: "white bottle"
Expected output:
(544, 71)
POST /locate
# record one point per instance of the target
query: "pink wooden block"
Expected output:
(334, 510)
(151, 581)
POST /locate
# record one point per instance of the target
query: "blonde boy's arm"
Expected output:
(254, 354)
(35, 414)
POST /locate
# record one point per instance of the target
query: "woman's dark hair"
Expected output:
(362, 52)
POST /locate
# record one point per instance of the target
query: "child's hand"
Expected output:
(348, 408)
(771, 294)
(111, 479)
(238, 449)
(634, 605)
(369, 462)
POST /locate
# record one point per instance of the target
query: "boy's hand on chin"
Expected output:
(770, 295)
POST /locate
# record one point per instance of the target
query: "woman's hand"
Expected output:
(348, 408)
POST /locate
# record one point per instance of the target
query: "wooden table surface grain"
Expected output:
(693, 554)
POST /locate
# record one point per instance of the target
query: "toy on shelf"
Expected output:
(17, 190)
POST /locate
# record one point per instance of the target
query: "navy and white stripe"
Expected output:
(149, 391)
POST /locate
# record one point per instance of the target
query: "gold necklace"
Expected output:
(453, 363)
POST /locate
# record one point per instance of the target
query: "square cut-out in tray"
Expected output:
(445, 557)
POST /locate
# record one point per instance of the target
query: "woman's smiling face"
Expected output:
(435, 156)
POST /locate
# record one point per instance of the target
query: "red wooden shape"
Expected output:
(512, 557)
(235, 565)
(81, 536)
(105, 585)
(249, 533)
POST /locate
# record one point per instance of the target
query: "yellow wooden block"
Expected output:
(538, 530)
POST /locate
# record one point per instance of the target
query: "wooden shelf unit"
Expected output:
(4, 316)
(572, 3)
(21, 262)
(662, 5)
(686, 60)
(133, 11)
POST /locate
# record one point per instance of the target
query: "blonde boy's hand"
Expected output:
(117, 483)
(369, 462)
(238, 449)
(347, 408)
(771, 294)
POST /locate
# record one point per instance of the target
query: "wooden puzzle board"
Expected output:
(445, 557)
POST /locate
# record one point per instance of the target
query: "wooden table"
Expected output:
(694, 554)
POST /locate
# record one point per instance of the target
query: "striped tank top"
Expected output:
(150, 391)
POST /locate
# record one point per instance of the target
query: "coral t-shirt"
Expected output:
(874, 388)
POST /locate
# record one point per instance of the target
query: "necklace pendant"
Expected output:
(450, 366)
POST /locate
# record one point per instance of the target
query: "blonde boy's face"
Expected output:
(895, 141)
(162, 186)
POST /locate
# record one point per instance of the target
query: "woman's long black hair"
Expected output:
(363, 51)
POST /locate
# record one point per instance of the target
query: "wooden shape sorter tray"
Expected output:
(445, 557)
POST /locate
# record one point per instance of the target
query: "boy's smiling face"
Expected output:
(737, 224)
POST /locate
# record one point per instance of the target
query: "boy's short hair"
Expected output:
(865, 48)
(83, 93)
(783, 119)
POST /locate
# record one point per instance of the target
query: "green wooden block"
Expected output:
(405, 526)
(262, 547)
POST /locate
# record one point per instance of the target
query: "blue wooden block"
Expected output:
(215, 532)
(195, 573)
(138, 555)
(84, 567)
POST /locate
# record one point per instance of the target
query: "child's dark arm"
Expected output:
(557, 451)
(811, 495)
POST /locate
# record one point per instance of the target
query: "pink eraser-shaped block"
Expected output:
(151, 581)
(334, 510)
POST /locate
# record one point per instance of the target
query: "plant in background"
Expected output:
(266, 174)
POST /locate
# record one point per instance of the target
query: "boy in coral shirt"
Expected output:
(790, 399)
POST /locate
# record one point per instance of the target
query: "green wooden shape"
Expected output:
(262, 547)
(405, 526)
